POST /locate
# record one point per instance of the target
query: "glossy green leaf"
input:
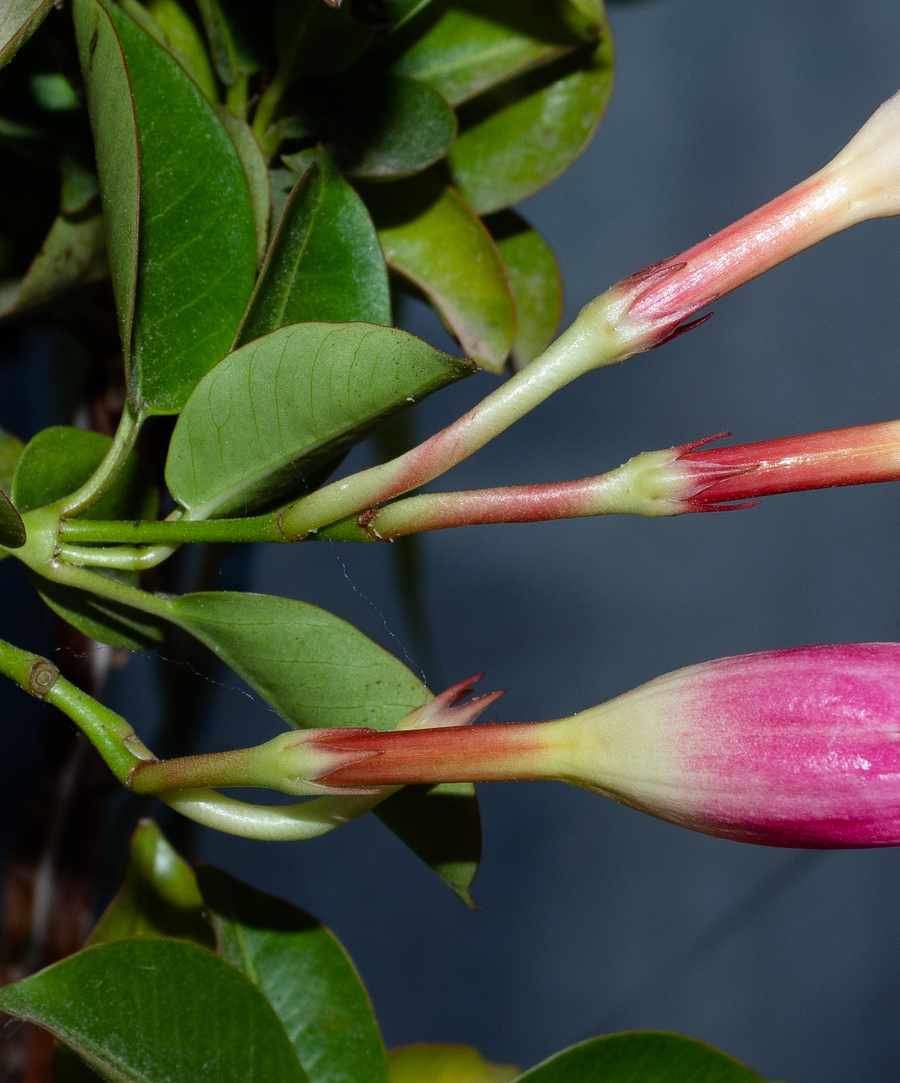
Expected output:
(12, 529)
(382, 126)
(159, 897)
(74, 254)
(432, 238)
(186, 43)
(195, 236)
(305, 975)
(433, 1063)
(641, 1057)
(157, 1011)
(275, 410)
(60, 459)
(519, 136)
(236, 33)
(100, 619)
(535, 280)
(466, 49)
(442, 826)
(11, 448)
(312, 667)
(325, 262)
(257, 174)
(18, 21)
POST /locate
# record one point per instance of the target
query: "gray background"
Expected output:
(596, 918)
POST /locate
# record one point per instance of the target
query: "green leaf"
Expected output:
(434, 240)
(18, 21)
(519, 136)
(12, 529)
(270, 413)
(116, 143)
(535, 280)
(11, 448)
(106, 621)
(186, 43)
(74, 254)
(305, 975)
(312, 667)
(68, 1067)
(159, 897)
(641, 1057)
(256, 171)
(60, 459)
(465, 50)
(433, 1063)
(325, 262)
(236, 36)
(383, 126)
(442, 826)
(155, 1011)
(317, 670)
(192, 248)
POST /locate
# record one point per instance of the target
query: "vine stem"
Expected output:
(123, 444)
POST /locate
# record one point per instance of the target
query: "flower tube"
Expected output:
(861, 182)
(797, 747)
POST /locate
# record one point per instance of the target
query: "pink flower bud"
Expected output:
(861, 182)
(794, 747)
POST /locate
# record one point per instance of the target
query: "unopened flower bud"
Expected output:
(861, 182)
(795, 747)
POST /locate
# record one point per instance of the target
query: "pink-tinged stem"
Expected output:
(487, 753)
(820, 460)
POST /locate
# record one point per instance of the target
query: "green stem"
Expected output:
(93, 489)
(123, 558)
(236, 97)
(258, 528)
(274, 92)
(122, 751)
(112, 589)
(108, 732)
(591, 342)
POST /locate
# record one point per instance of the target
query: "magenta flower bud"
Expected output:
(795, 747)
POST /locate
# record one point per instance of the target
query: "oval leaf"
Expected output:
(434, 240)
(274, 410)
(518, 137)
(153, 1011)
(433, 1063)
(195, 236)
(312, 667)
(305, 975)
(325, 262)
(18, 21)
(317, 670)
(641, 1057)
(159, 897)
(385, 126)
(60, 459)
(464, 50)
(535, 280)
(12, 529)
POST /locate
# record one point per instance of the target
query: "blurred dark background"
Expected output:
(596, 918)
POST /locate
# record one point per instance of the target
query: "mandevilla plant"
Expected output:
(229, 199)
